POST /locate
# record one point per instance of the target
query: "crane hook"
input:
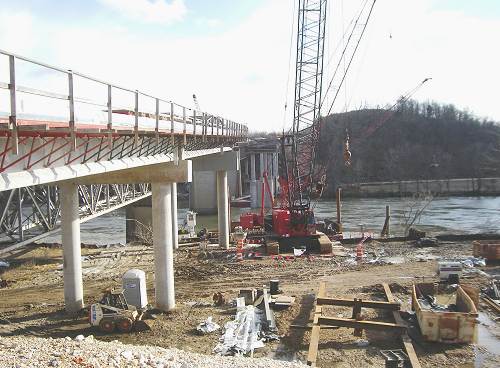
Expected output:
(347, 152)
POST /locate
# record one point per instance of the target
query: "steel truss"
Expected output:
(31, 212)
(49, 151)
(299, 147)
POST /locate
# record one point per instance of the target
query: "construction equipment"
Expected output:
(301, 178)
(196, 104)
(112, 312)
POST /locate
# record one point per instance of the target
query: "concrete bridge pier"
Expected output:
(223, 209)
(163, 178)
(175, 223)
(163, 245)
(72, 263)
(253, 183)
(221, 163)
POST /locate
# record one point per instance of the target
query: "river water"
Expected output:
(455, 215)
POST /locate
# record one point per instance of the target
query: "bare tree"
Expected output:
(414, 208)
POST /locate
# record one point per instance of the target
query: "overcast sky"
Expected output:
(235, 54)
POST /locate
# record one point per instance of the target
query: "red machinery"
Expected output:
(301, 179)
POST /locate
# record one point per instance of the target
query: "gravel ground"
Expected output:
(90, 353)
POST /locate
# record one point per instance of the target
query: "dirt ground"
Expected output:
(33, 304)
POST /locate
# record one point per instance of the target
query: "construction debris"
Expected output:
(452, 323)
(243, 334)
(486, 249)
(218, 299)
(207, 326)
(4, 264)
(394, 358)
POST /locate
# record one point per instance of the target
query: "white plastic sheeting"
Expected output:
(243, 334)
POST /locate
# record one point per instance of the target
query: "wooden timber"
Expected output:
(364, 303)
(312, 355)
(407, 343)
(365, 325)
(492, 304)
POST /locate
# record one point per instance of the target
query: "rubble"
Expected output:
(207, 326)
(39, 352)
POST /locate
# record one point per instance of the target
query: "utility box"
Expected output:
(134, 288)
(450, 271)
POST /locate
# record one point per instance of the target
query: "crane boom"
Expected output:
(299, 146)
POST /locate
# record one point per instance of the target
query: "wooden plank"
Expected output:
(312, 354)
(407, 343)
(491, 303)
(367, 325)
(376, 304)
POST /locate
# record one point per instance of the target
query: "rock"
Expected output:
(59, 352)
(362, 343)
(79, 338)
(127, 354)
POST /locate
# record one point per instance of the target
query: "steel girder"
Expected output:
(29, 212)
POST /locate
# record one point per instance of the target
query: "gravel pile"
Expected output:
(90, 353)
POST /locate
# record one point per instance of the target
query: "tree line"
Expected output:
(417, 141)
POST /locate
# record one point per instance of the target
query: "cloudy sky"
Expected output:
(235, 55)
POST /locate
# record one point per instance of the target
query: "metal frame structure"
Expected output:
(33, 212)
(299, 147)
(152, 127)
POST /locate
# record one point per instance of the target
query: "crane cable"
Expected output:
(342, 56)
(352, 56)
(389, 112)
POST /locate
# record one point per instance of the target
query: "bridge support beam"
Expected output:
(72, 263)
(163, 247)
(223, 209)
(175, 225)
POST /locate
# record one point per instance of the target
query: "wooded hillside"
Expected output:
(419, 141)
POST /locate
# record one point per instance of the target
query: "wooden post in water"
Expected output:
(339, 211)
(385, 229)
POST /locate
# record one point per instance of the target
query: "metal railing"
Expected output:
(183, 120)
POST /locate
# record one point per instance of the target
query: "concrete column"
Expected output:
(262, 164)
(223, 209)
(252, 167)
(72, 263)
(270, 172)
(253, 182)
(175, 225)
(162, 244)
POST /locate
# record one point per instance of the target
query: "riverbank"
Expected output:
(440, 187)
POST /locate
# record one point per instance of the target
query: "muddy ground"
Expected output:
(33, 302)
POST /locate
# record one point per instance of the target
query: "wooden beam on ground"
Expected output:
(312, 355)
(407, 343)
(492, 304)
(365, 325)
(364, 303)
